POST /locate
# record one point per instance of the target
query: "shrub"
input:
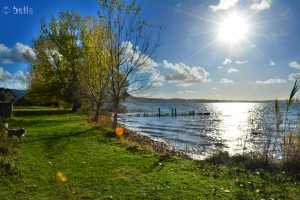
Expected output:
(220, 158)
(5, 145)
(6, 164)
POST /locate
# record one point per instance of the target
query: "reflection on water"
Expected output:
(234, 127)
(234, 122)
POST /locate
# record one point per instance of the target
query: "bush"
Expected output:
(220, 158)
(248, 161)
(5, 145)
(6, 165)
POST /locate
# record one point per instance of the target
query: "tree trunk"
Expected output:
(115, 119)
(97, 113)
(116, 103)
(76, 106)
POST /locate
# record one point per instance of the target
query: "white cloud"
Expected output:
(184, 85)
(224, 5)
(272, 63)
(23, 48)
(186, 91)
(232, 70)
(258, 5)
(15, 54)
(240, 62)
(157, 84)
(226, 81)
(3, 49)
(53, 56)
(181, 73)
(227, 61)
(275, 80)
(156, 76)
(134, 56)
(12, 81)
(294, 76)
(294, 64)
(4, 75)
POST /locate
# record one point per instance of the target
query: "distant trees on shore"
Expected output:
(93, 63)
(13, 96)
(6, 95)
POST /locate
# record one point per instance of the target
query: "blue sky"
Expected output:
(211, 49)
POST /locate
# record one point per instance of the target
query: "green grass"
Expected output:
(98, 166)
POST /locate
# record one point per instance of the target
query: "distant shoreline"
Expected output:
(178, 100)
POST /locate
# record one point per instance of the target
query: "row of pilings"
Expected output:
(174, 113)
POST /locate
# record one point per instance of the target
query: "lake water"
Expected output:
(234, 127)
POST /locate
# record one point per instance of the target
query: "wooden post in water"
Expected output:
(175, 112)
(193, 113)
(172, 112)
(158, 112)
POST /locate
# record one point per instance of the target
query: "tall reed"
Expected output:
(287, 142)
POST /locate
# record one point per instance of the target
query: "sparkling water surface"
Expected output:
(233, 127)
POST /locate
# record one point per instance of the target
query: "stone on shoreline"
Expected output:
(157, 146)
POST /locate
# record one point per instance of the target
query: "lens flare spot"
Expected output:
(61, 177)
(119, 131)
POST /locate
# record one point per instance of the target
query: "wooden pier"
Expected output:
(173, 113)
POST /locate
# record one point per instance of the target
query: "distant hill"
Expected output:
(19, 93)
(178, 100)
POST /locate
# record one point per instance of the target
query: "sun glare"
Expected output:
(233, 29)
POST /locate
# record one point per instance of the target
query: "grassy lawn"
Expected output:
(64, 157)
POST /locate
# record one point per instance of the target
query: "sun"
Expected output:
(233, 29)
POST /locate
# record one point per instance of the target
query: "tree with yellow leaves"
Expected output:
(95, 74)
(54, 74)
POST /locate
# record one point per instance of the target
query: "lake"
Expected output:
(236, 127)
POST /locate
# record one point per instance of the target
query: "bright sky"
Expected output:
(211, 49)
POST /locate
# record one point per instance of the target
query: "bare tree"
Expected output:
(131, 45)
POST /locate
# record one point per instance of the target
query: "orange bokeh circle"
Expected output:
(119, 131)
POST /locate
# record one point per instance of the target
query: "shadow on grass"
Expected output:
(161, 163)
(26, 113)
(110, 134)
(61, 136)
(28, 124)
(55, 145)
